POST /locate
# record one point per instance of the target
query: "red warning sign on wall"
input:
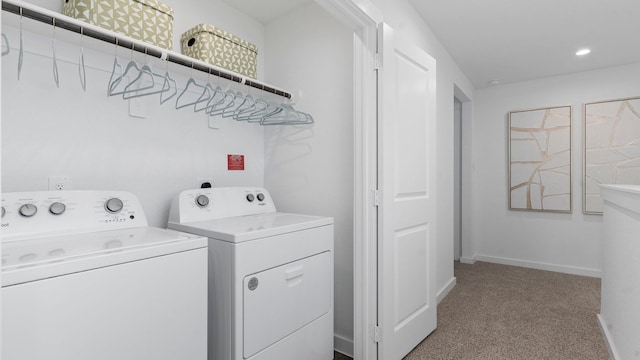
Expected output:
(235, 162)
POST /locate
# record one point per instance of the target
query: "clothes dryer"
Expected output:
(270, 274)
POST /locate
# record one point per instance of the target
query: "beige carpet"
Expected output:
(499, 312)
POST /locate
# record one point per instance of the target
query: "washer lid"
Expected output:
(34, 259)
(244, 228)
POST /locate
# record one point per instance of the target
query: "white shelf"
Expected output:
(61, 21)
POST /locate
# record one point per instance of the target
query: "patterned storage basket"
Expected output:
(146, 20)
(218, 47)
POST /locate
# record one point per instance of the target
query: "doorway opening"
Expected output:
(457, 178)
(463, 248)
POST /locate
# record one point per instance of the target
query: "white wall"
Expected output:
(91, 138)
(562, 242)
(404, 19)
(309, 169)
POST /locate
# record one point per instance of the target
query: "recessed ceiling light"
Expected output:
(583, 52)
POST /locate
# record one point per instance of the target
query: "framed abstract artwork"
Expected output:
(611, 148)
(540, 159)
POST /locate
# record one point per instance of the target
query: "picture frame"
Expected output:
(540, 159)
(611, 153)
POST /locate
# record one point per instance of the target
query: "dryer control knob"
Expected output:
(250, 198)
(28, 210)
(202, 200)
(57, 208)
(3, 211)
(260, 197)
(113, 205)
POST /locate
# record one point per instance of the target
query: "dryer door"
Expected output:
(281, 300)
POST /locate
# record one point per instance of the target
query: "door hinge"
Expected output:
(378, 61)
(377, 334)
(376, 197)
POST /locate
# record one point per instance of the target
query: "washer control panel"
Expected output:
(29, 214)
(217, 203)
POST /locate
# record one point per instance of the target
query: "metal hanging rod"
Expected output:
(61, 21)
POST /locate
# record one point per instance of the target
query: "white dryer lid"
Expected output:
(244, 228)
(39, 258)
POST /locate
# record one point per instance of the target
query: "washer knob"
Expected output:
(260, 197)
(250, 198)
(3, 211)
(57, 208)
(113, 205)
(28, 210)
(202, 200)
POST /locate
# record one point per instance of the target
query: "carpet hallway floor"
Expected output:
(500, 312)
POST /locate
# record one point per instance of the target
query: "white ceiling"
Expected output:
(517, 40)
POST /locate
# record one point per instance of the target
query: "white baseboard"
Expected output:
(343, 345)
(541, 266)
(466, 260)
(613, 353)
(446, 290)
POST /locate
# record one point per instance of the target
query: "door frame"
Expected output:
(467, 254)
(363, 18)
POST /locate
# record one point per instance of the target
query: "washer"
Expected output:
(84, 277)
(270, 274)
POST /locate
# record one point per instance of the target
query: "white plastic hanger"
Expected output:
(56, 77)
(189, 87)
(168, 82)
(171, 88)
(218, 99)
(228, 102)
(141, 73)
(21, 51)
(288, 116)
(6, 49)
(262, 109)
(241, 101)
(137, 87)
(81, 68)
(130, 91)
(114, 80)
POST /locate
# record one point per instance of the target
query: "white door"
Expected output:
(406, 244)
